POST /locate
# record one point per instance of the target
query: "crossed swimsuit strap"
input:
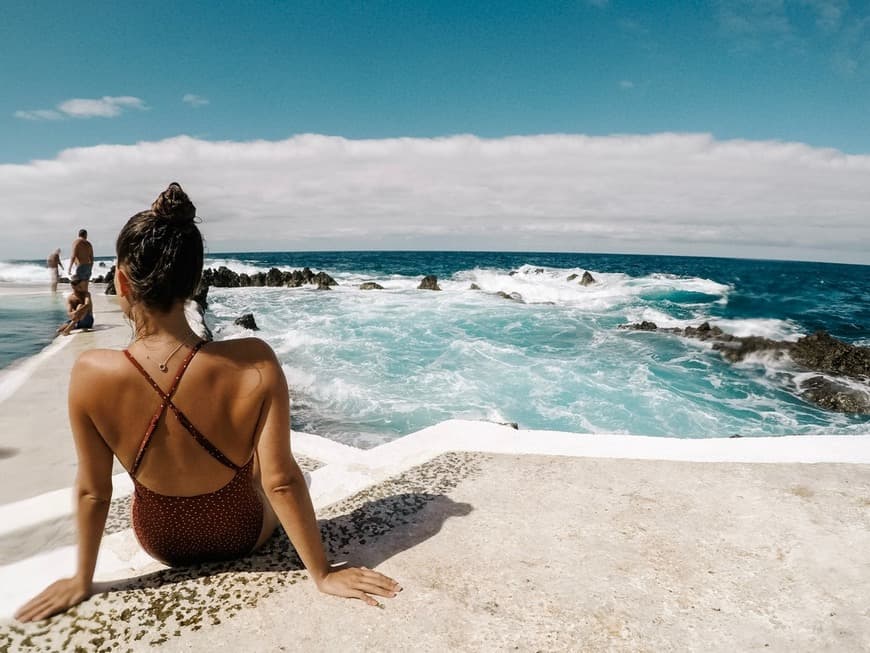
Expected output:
(168, 403)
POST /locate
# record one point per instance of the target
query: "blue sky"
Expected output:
(724, 128)
(787, 70)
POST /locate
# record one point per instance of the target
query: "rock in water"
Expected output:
(274, 277)
(474, 286)
(824, 353)
(323, 280)
(571, 277)
(514, 296)
(247, 321)
(587, 279)
(429, 282)
(833, 395)
(370, 285)
(646, 325)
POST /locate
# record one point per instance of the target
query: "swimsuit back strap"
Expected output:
(216, 453)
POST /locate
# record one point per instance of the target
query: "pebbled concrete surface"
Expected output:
(505, 552)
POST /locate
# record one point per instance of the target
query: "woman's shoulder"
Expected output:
(242, 351)
(98, 368)
(98, 361)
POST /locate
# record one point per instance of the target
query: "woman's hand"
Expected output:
(57, 597)
(358, 583)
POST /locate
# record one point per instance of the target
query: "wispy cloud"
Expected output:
(194, 100)
(829, 13)
(39, 114)
(104, 107)
(753, 24)
(832, 29)
(662, 193)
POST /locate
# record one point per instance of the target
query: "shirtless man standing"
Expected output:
(53, 263)
(82, 257)
(79, 307)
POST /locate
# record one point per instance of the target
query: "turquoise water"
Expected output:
(369, 366)
(27, 324)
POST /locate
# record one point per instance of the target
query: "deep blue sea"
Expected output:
(368, 366)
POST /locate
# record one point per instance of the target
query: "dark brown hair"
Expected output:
(161, 250)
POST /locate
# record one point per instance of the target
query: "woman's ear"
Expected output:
(122, 283)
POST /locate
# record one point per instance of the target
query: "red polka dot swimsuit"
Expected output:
(218, 525)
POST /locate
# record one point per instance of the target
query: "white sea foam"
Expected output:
(23, 273)
(766, 328)
(237, 266)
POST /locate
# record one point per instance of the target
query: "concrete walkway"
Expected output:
(499, 552)
(38, 449)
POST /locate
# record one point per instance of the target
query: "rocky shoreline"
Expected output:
(842, 379)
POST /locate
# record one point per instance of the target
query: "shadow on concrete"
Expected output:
(8, 452)
(372, 533)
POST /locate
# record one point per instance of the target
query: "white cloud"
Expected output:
(104, 107)
(194, 100)
(39, 114)
(661, 193)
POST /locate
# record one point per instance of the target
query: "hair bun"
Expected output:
(174, 204)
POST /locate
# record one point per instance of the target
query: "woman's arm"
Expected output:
(288, 494)
(93, 494)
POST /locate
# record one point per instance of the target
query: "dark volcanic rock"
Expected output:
(247, 321)
(370, 285)
(736, 349)
(323, 280)
(824, 353)
(587, 279)
(274, 278)
(474, 286)
(539, 270)
(571, 277)
(514, 296)
(110, 281)
(833, 395)
(639, 326)
(429, 282)
(223, 277)
(819, 352)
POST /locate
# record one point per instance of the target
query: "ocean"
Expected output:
(366, 367)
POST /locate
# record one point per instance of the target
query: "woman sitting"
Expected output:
(202, 428)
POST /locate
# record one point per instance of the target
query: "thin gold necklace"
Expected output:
(164, 366)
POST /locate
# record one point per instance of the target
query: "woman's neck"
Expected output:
(170, 326)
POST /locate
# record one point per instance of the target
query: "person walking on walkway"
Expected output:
(53, 263)
(82, 257)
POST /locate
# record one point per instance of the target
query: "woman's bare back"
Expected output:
(222, 393)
